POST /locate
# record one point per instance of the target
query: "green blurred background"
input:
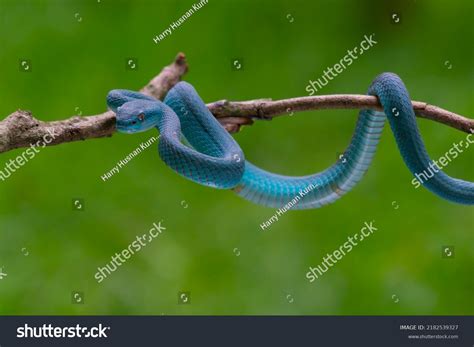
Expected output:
(214, 248)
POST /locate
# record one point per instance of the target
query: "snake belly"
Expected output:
(213, 158)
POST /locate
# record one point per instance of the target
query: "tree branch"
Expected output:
(233, 114)
(21, 129)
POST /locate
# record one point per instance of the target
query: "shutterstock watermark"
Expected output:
(352, 241)
(15, 164)
(444, 160)
(49, 331)
(331, 72)
(134, 247)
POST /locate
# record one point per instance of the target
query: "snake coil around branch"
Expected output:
(21, 129)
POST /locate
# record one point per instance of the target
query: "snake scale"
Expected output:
(195, 145)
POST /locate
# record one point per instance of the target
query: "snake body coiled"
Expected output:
(213, 158)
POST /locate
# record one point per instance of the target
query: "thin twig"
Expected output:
(21, 129)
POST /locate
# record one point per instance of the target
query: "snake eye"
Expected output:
(141, 117)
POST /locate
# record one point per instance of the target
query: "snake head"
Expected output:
(118, 97)
(137, 116)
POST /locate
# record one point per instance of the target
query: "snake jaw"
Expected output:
(137, 116)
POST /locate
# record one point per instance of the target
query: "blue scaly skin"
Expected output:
(214, 159)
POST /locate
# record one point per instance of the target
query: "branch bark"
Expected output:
(233, 114)
(21, 129)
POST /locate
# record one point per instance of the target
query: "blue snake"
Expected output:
(195, 145)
